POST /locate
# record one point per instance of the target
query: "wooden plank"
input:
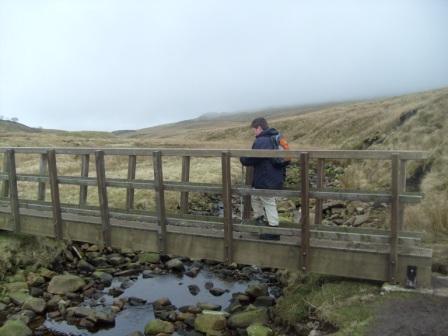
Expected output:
(247, 206)
(305, 218)
(227, 202)
(185, 178)
(55, 199)
(160, 200)
(132, 167)
(5, 184)
(102, 196)
(395, 214)
(85, 160)
(13, 192)
(314, 154)
(402, 189)
(43, 165)
(319, 186)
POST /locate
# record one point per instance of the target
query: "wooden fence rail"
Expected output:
(232, 232)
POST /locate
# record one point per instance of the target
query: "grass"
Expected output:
(416, 121)
(346, 305)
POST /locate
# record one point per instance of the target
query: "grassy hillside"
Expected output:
(414, 122)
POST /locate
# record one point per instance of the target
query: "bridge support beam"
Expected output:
(160, 200)
(55, 199)
(227, 200)
(102, 196)
(305, 218)
(13, 192)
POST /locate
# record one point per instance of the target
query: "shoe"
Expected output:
(260, 221)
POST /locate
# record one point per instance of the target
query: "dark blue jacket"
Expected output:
(266, 176)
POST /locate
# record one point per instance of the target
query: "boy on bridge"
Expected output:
(268, 173)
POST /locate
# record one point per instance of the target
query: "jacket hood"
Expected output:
(268, 132)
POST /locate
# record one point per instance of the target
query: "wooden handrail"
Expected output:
(313, 154)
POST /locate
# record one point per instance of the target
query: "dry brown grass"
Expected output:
(360, 125)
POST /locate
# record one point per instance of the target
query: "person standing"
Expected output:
(267, 174)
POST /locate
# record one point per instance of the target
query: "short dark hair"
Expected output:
(259, 122)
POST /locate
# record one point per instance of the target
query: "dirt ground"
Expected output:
(420, 315)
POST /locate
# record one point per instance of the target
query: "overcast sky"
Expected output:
(129, 64)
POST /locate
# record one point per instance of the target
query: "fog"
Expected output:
(115, 64)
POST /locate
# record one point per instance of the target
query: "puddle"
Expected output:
(134, 318)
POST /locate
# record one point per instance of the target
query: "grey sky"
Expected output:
(116, 64)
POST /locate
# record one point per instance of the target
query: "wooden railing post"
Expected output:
(319, 186)
(246, 199)
(160, 200)
(185, 178)
(305, 218)
(402, 188)
(102, 196)
(13, 192)
(43, 171)
(55, 199)
(132, 167)
(5, 184)
(85, 160)
(395, 214)
(227, 202)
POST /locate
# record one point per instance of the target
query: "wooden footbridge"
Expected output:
(384, 255)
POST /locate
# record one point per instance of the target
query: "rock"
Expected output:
(16, 287)
(148, 258)
(105, 317)
(243, 298)
(36, 291)
(209, 285)
(86, 323)
(63, 284)
(194, 290)
(361, 219)
(156, 327)
(19, 298)
(258, 330)
(256, 289)
(35, 280)
(146, 274)
(104, 277)
(81, 312)
(84, 266)
(93, 248)
(175, 265)
(211, 323)
(264, 301)
(315, 332)
(217, 291)
(192, 272)
(248, 317)
(37, 305)
(135, 301)
(116, 291)
(208, 306)
(2, 307)
(46, 273)
(160, 303)
(15, 328)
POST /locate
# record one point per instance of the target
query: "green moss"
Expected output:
(347, 305)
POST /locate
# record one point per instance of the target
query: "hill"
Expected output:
(410, 122)
(14, 126)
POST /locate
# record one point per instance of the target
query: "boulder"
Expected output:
(20, 286)
(86, 267)
(256, 289)
(19, 298)
(211, 323)
(15, 328)
(258, 330)
(148, 258)
(250, 316)
(175, 265)
(37, 305)
(208, 306)
(217, 291)
(66, 283)
(156, 326)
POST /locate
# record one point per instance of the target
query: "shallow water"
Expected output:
(134, 318)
